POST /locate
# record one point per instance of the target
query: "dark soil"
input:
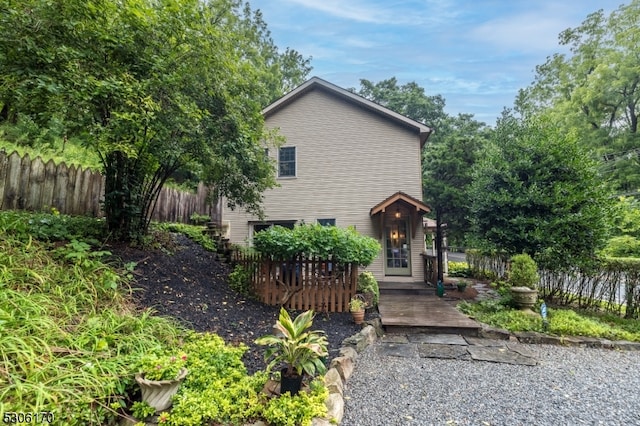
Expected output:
(190, 284)
(452, 293)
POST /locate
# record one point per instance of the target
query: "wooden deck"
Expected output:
(407, 308)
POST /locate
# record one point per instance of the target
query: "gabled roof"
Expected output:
(320, 84)
(400, 196)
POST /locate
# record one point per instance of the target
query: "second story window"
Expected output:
(287, 161)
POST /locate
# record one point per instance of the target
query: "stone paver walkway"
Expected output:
(451, 346)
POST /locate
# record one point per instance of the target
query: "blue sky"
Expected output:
(475, 53)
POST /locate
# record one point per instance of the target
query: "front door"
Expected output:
(397, 248)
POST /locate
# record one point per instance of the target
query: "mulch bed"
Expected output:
(190, 284)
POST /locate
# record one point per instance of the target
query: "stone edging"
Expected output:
(533, 337)
(341, 368)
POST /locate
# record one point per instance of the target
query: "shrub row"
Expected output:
(340, 245)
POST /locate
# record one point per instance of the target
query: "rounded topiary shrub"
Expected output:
(523, 271)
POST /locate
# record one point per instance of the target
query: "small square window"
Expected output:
(287, 161)
(327, 222)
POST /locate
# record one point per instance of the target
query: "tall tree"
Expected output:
(154, 87)
(448, 156)
(408, 99)
(537, 191)
(447, 172)
(596, 90)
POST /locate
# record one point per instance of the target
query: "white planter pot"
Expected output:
(158, 393)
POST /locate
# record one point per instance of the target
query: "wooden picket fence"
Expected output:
(27, 184)
(301, 283)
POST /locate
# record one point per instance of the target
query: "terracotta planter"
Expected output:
(358, 316)
(524, 297)
(158, 393)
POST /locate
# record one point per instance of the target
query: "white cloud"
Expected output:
(534, 28)
(476, 53)
(356, 11)
(384, 12)
(359, 43)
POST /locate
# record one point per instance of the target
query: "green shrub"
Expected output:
(51, 226)
(217, 388)
(219, 391)
(340, 245)
(623, 246)
(240, 280)
(142, 410)
(199, 219)
(368, 285)
(192, 231)
(48, 147)
(459, 269)
(65, 322)
(29, 134)
(562, 322)
(523, 271)
(298, 410)
(503, 288)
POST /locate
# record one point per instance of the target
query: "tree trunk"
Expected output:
(121, 196)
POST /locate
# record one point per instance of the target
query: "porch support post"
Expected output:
(439, 245)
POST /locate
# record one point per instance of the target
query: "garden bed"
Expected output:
(191, 285)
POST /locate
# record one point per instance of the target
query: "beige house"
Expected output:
(346, 161)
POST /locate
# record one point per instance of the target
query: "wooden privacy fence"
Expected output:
(301, 283)
(33, 185)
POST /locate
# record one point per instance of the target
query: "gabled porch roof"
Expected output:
(415, 207)
(400, 197)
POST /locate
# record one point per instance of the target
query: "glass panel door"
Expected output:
(397, 248)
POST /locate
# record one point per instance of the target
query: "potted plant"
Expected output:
(159, 377)
(356, 306)
(462, 286)
(300, 350)
(523, 278)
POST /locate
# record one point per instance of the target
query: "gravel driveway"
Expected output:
(570, 386)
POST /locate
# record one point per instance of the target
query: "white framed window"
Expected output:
(327, 222)
(287, 161)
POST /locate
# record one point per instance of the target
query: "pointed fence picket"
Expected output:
(32, 184)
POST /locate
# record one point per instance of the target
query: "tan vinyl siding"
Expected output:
(347, 160)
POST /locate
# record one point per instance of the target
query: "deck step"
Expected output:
(461, 331)
(406, 288)
(409, 291)
(423, 313)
